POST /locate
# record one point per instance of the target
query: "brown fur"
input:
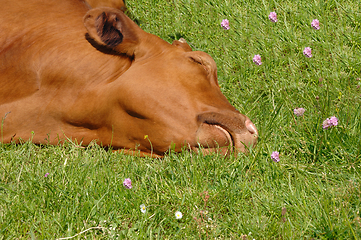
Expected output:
(60, 80)
(119, 4)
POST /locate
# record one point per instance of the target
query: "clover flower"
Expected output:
(225, 24)
(178, 215)
(330, 122)
(315, 24)
(127, 183)
(143, 209)
(299, 111)
(257, 59)
(273, 16)
(307, 52)
(275, 156)
(46, 174)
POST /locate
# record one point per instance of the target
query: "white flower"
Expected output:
(143, 208)
(178, 215)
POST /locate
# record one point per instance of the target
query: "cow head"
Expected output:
(169, 96)
(119, 4)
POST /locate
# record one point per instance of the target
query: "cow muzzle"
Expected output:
(225, 133)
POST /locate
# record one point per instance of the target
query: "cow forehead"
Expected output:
(186, 62)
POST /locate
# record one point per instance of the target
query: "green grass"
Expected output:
(312, 193)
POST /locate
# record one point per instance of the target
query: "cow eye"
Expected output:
(200, 62)
(196, 60)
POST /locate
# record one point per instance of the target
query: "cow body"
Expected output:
(108, 81)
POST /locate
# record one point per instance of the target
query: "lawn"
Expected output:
(312, 192)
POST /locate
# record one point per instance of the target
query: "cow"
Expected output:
(119, 4)
(68, 72)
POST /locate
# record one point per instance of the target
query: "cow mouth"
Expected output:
(224, 134)
(213, 138)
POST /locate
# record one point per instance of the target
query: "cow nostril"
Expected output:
(251, 127)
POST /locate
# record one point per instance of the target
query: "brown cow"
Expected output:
(119, 4)
(108, 81)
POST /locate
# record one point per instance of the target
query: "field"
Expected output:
(312, 192)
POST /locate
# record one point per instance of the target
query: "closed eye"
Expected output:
(195, 60)
(200, 62)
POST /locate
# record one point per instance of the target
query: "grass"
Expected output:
(312, 193)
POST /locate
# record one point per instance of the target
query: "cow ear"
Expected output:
(182, 43)
(112, 28)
